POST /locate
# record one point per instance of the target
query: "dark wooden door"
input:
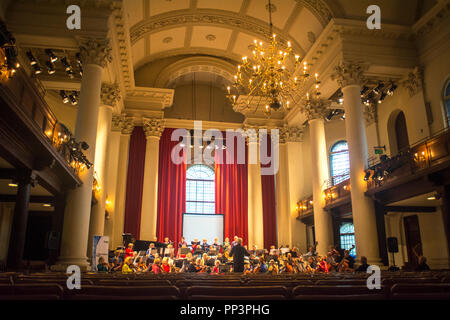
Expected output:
(401, 132)
(413, 241)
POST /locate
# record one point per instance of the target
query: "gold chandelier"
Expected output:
(270, 78)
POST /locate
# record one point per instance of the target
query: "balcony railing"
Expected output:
(337, 192)
(305, 206)
(425, 154)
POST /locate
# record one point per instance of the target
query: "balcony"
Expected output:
(305, 210)
(337, 195)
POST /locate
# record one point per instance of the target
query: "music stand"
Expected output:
(212, 252)
(184, 250)
(126, 239)
(224, 268)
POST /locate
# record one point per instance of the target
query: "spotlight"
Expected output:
(377, 90)
(37, 69)
(343, 117)
(32, 59)
(73, 99)
(64, 96)
(84, 145)
(392, 89)
(50, 67)
(66, 64)
(370, 95)
(367, 176)
(70, 73)
(364, 91)
(5, 36)
(11, 57)
(81, 71)
(382, 97)
(78, 58)
(51, 55)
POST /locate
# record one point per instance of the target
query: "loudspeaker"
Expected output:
(392, 244)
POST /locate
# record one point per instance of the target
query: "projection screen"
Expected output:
(203, 226)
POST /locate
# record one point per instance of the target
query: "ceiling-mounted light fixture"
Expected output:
(32, 59)
(392, 89)
(64, 96)
(382, 97)
(364, 91)
(50, 67)
(378, 88)
(37, 69)
(51, 55)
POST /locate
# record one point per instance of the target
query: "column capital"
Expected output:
(110, 94)
(370, 113)
(316, 109)
(291, 134)
(250, 133)
(122, 123)
(413, 81)
(348, 73)
(153, 127)
(95, 51)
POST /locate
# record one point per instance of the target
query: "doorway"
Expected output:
(413, 241)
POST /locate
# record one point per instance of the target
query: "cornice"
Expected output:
(432, 19)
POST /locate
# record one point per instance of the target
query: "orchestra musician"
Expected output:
(129, 252)
(128, 266)
(273, 268)
(261, 267)
(215, 270)
(205, 245)
(182, 242)
(156, 267)
(165, 267)
(195, 244)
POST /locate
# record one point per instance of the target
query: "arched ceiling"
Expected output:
(163, 28)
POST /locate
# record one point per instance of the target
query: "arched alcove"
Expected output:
(397, 132)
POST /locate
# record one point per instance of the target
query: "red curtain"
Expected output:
(171, 191)
(268, 204)
(232, 194)
(135, 182)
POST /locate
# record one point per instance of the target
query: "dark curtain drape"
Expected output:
(268, 203)
(232, 193)
(171, 191)
(135, 182)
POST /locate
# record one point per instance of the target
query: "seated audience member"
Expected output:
(363, 267)
(102, 265)
(216, 269)
(205, 245)
(129, 252)
(273, 268)
(128, 266)
(156, 266)
(422, 266)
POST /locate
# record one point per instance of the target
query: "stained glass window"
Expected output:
(200, 189)
(347, 236)
(339, 162)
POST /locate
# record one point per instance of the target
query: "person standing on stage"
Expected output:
(216, 244)
(205, 245)
(236, 238)
(238, 252)
(182, 242)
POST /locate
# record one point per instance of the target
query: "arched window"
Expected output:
(347, 236)
(200, 189)
(447, 102)
(339, 162)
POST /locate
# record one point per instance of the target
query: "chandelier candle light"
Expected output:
(270, 77)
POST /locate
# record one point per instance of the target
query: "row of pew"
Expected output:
(395, 286)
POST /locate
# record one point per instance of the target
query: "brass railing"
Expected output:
(337, 192)
(305, 206)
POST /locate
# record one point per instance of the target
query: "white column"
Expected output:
(153, 129)
(255, 213)
(320, 175)
(349, 77)
(122, 170)
(111, 172)
(284, 230)
(95, 54)
(109, 97)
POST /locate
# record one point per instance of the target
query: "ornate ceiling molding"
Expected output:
(95, 51)
(316, 109)
(153, 127)
(110, 94)
(291, 134)
(348, 73)
(413, 81)
(221, 18)
(432, 19)
(319, 9)
(195, 64)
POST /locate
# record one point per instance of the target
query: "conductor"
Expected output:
(238, 252)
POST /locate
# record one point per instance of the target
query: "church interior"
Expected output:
(312, 134)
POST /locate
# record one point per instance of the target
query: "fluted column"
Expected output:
(349, 76)
(121, 186)
(95, 54)
(110, 94)
(153, 129)
(255, 210)
(319, 173)
(111, 173)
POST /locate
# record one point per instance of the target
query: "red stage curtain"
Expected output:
(232, 195)
(135, 182)
(171, 191)
(268, 204)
